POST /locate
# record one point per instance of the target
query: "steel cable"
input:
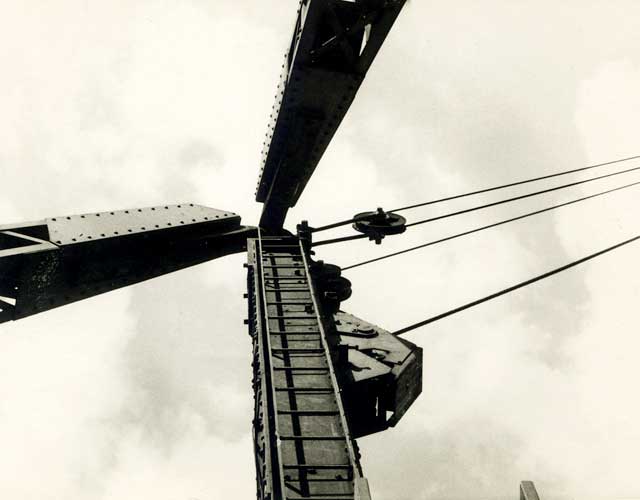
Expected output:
(521, 197)
(517, 183)
(489, 226)
(514, 287)
(487, 205)
(485, 190)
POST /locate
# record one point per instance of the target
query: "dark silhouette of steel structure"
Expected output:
(321, 377)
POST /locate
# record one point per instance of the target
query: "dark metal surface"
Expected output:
(528, 491)
(383, 377)
(302, 439)
(333, 46)
(60, 260)
(377, 225)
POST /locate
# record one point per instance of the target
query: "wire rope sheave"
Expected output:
(375, 225)
(372, 225)
(490, 226)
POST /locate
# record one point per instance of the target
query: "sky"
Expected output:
(145, 392)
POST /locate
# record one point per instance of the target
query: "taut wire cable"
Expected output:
(489, 226)
(514, 287)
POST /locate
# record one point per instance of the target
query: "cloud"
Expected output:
(146, 391)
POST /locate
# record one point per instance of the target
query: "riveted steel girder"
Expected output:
(60, 260)
(333, 45)
(303, 444)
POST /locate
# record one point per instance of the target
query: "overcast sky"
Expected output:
(145, 392)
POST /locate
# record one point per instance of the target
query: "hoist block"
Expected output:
(383, 376)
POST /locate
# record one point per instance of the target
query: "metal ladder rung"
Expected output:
(310, 413)
(310, 390)
(268, 266)
(311, 479)
(280, 255)
(288, 303)
(299, 369)
(285, 278)
(311, 438)
(317, 466)
(294, 332)
(269, 245)
(310, 350)
(271, 288)
(283, 316)
(316, 339)
(296, 258)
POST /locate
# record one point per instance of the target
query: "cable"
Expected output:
(521, 197)
(489, 226)
(480, 191)
(518, 183)
(332, 226)
(339, 240)
(488, 205)
(514, 287)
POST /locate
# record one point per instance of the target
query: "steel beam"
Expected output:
(333, 46)
(528, 491)
(60, 260)
(302, 439)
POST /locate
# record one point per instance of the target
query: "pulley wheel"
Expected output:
(377, 225)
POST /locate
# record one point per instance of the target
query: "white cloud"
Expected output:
(146, 392)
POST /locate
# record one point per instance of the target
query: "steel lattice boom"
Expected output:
(321, 376)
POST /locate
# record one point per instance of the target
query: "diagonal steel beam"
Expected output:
(333, 46)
